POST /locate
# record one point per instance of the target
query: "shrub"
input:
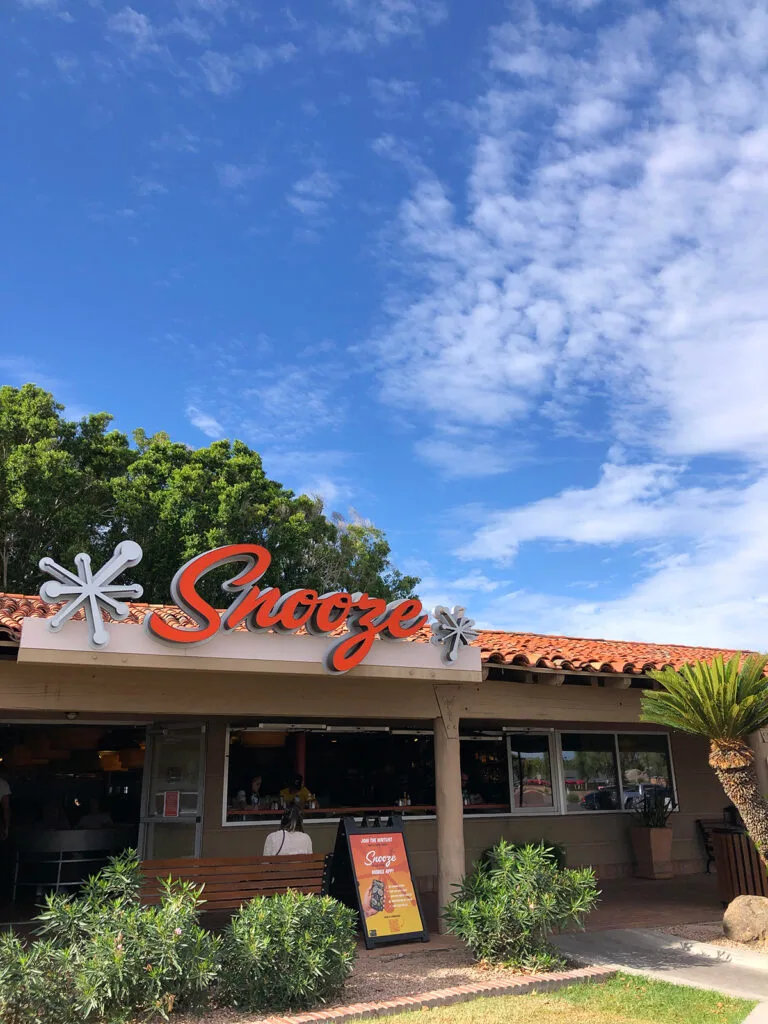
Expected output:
(555, 850)
(513, 900)
(287, 952)
(107, 958)
(36, 983)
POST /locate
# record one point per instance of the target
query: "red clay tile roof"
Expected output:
(524, 650)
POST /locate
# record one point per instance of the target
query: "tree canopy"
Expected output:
(69, 486)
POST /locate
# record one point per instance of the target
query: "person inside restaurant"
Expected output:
(290, 838)
(296, 793)
(95, 817)
(468, 794)
(256, 797)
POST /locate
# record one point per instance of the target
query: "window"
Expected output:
(371, 770)
(485, 774)
(346, 769)
(530, 769)
(589, 772)
(645, 767)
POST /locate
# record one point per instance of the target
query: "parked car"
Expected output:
(604, 798)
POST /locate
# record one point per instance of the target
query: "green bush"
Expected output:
(513, 900)
(287, 952)
(37, 983)
(556, 851)
(106, 958)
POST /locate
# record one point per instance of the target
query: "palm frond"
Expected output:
(722, 700)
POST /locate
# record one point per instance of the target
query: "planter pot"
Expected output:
(652, 848)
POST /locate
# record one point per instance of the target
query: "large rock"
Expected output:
(746, 919)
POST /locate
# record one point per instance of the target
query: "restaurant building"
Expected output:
(189, 748)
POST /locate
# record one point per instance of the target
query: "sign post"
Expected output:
(371, 871)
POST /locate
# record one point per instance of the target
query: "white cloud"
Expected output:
(380, 21)
(223, 72)
(391, 93)
(476, 581)
(311, 195)
(136, 28)
(208, 424)
(68, 66)
(237, 176)
(455, 456)
(292, 403)
(147, 187)
(182, 140)
(608, 273)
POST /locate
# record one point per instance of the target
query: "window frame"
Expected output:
(616, 734)
(555, 771)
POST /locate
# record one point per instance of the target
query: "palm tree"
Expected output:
(726, 702)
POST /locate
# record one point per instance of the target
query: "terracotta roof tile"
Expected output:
(525, 650)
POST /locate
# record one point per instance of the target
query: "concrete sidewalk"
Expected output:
(669, 958)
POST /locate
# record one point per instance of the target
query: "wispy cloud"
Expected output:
(182, 140)
(237, 176)
(68, 66)
(204, 422)
(136, 29)
(147, 187)
(380, 21)
(609, 272)
(223, 73)
(311, 195)
(457, 456)
(390, 94)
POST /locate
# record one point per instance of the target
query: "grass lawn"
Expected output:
(624, 1000)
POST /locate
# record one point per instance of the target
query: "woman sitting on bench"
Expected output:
(290, 838)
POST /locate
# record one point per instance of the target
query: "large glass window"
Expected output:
(589, 772)
(343, 770)
(371, 771)
(531, 771)
(484, 774)
(644, 764)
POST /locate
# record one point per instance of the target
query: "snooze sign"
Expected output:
(356, 619)
(264, 609)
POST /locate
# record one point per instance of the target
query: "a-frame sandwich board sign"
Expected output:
(371, 872)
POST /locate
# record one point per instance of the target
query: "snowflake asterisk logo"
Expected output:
(92, 592)
(452, 630)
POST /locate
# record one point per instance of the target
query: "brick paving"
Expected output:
(642, 903)
(448, 996)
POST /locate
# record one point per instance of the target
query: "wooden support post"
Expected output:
(450, 807)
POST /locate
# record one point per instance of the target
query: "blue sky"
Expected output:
(493, 275)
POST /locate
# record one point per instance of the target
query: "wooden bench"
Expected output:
(740, 871)
(706, 827)
(232, 881)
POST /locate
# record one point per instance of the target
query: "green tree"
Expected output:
(68, 487)
(54, 482)
(725, 702)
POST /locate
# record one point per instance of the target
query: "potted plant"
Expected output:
(652, 836)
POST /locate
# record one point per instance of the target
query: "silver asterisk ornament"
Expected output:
(452, 630)
(92, 592)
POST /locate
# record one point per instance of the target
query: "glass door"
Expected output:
(172, 797)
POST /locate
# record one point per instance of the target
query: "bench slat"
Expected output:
(231, 881)
(257, 871)
(216, 862)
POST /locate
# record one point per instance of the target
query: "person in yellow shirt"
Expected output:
(296, 793)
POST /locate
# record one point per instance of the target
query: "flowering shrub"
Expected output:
(104, 957)
(515, 897)
(287, 952)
